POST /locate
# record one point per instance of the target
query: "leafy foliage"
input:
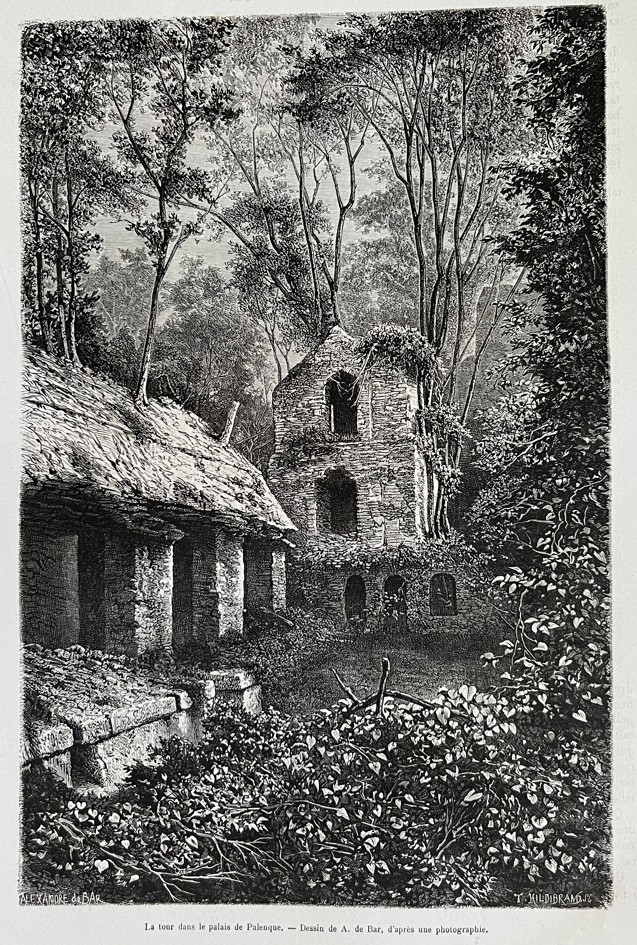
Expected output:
(398, 346)
(411, 803)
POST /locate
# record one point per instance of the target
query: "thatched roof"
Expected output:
(86, 445)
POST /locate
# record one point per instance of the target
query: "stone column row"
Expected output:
(137, 589)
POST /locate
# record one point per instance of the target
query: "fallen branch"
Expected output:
(380, 698)
(348, 692)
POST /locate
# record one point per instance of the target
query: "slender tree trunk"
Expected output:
(59, 275)
(45, 327)
(308, 239)
(275, 354)
(72, 275)
(141, 395)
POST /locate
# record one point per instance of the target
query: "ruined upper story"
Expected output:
(345, 461)
(328, 392)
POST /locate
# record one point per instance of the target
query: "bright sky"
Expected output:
(210, 248)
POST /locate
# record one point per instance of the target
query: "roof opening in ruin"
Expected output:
(341, 394)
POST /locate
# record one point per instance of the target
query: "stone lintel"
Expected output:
(231, 680)
(89, 728)
(147, 710)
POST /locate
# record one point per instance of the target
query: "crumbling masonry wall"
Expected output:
(49, 584)
(322, 589)
(380, 458)
(137, 593)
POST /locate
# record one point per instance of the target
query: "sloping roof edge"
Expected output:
(83, 435)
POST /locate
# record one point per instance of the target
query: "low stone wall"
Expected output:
(323, 590)
(94, 751)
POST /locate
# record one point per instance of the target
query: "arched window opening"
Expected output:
(337, 501)
(442, 596)
(355, 601)
(395, 603)
(341, 394)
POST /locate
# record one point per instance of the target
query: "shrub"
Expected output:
(441, 803)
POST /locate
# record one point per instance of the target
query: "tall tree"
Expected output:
(558, 449)
(166, 88)
(295, 166)
(546, 503)
(67, 179)
(209, 354)
(436, 90)
(123, 287)
(380, 268)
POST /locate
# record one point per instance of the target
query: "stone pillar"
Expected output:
(50, 608)
(279, 584)
(230, 579)
(138, 575)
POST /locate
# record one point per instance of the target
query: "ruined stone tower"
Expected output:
(347, 470)
(344, 464)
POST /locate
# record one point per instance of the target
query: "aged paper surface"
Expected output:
(294, 923)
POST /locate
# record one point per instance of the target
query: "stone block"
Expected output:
(46, 739)
(89, 728)
(139, 713)
(237, 687)
(182, 699)
(107, 763)
(231, 680)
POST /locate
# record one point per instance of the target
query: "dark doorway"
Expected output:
(90, 582)
(182, 594)
(337, 503)
(395, 603)
(341, 393)
(442, 596)
(355, 601)
(257, 562)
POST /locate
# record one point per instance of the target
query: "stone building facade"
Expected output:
(347, 470)
(140, 531)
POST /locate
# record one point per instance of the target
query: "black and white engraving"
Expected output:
(314, 512)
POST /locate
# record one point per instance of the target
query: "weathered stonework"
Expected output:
(50, 744)
(137, 594)
(324, 589)
(237, 687)
(230, 583)
(97, 750)
(279, 580)
(379, 470)
(49, 584)
(380, 458)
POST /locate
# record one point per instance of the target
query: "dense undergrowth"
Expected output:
(453, 802)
